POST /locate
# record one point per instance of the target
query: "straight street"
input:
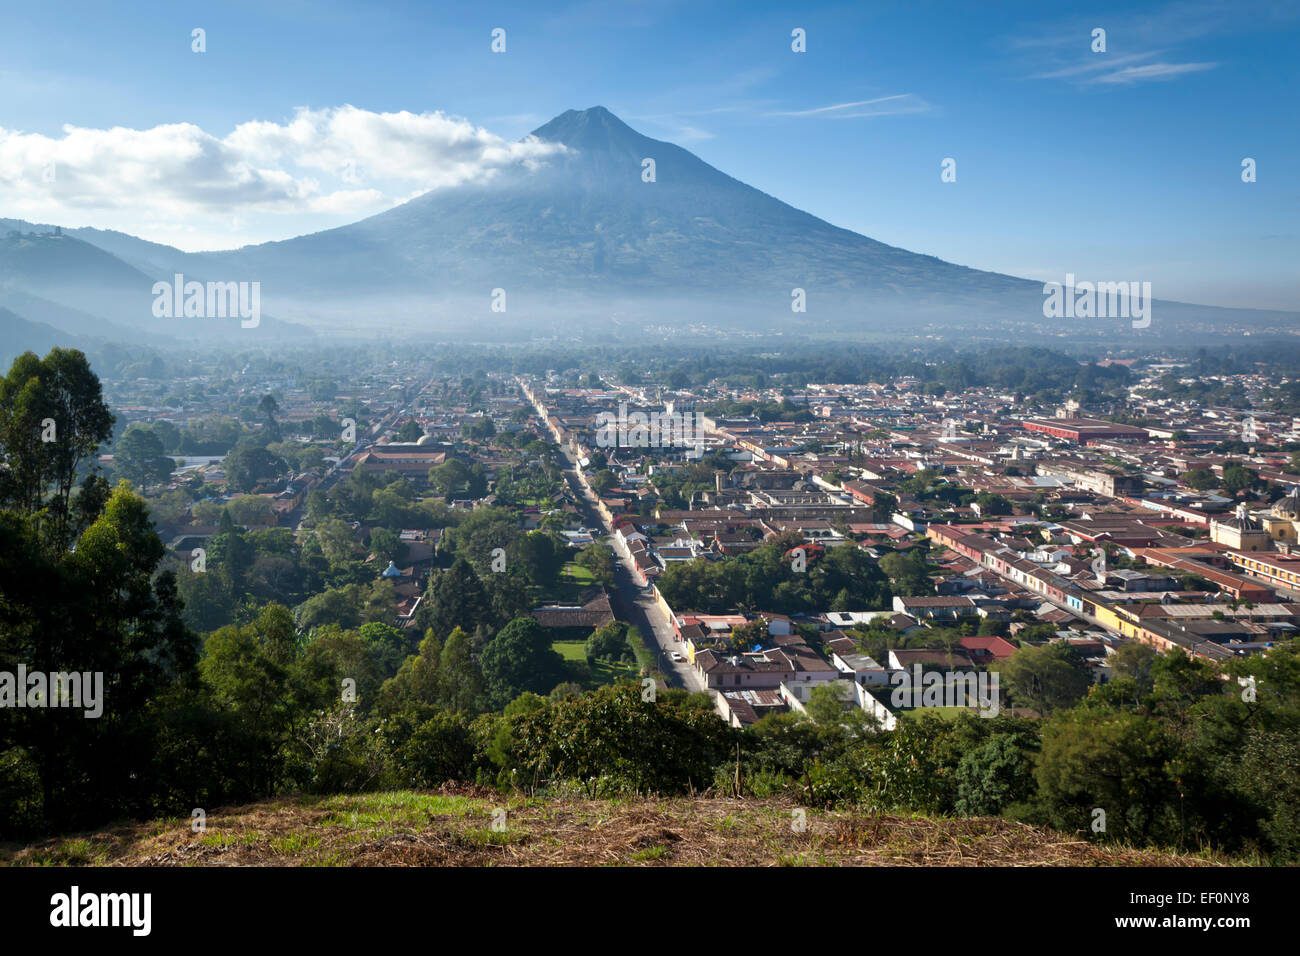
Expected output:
(634, 604)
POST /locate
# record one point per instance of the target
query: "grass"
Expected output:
(650, 854)
(571, 650)
(403, 807)
(462, 826)
(574, 582)
(575, 572)
(645, 657)
(595, 674)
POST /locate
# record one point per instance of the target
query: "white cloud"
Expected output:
(320, 168)
(896, 105)
(1152, 71)
(1094, 64)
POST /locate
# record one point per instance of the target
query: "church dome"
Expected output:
(1288, 507)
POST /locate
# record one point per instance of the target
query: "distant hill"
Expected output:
(73, 321)
(18, 335)
(82, 288)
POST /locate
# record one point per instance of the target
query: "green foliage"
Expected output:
(600, 561)
(1046, 678)
(1116, 762)
(996, 775)
(518, 659)
(106, 609)
(609, 643)
(52, 421)
(250, 466)
(765, 578)
(141, 458)
(410, 432)
(429, 747)
(612, 741)
(909, 575)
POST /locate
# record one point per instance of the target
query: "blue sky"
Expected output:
(1117, 165)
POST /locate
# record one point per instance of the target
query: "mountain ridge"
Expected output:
(584, 236)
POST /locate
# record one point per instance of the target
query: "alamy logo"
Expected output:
(59, 689)
(215, 300)
(73, 909)
(653, 430)
(1100, 300)
(921, 688)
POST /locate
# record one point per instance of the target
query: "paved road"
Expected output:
(636, 606)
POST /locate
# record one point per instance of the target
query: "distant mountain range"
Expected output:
(582, 238)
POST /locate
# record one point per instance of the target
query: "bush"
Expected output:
(345, 754)
(20, 793)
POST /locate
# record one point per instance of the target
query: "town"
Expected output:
(897, 525)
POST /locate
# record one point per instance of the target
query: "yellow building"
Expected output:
(1241, 532)
(1283, 519)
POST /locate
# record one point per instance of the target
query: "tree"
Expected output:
(449, 477)
(268, 406)
(387, 546)
(460, 682)
(519, 658)
(476, 485)
(456, 598)
(611, 741)
(410, 431)
(249, 466)
(541, 557)
(139, 458)
(250, 510)
(231, 554)
(992, 504)
(52, 420)
(170, 507)
(311, 458)
(416, 681)
(391, 510)
(333, 655)
(318, 507)
(599, 560)
(336, 606)
(102, 609)
(1200, 479)
(1046, 678)
(430, 752)
(389, 647)
(207, 512)
(251, 689)
(337, 540)
(1115, 762)
(603, 480)
(480, 428)
(441, 675)
(995, 775)
(168, 434)
(609, 643)
(1237, 479)
(1134, 660)
(908, 573)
